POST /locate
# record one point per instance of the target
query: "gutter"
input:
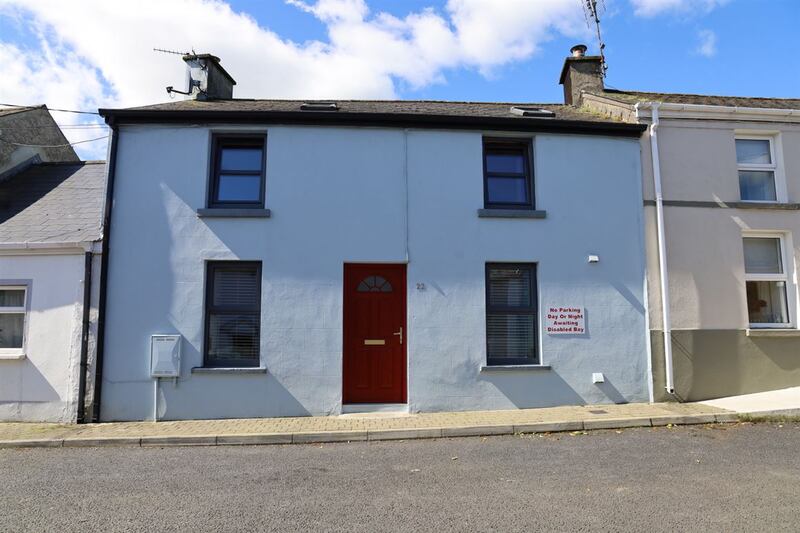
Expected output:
(662, 245)
(83, 367)
(684, 111)
(114, 117)
(101, 317)
(87, 246)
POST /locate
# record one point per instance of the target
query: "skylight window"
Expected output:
(319, 106)
(527, 111)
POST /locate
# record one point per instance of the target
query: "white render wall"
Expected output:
(44, 385)
(338, 195)
(704, 245)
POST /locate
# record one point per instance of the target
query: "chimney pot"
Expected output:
(579, 50)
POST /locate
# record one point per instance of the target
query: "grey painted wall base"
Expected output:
(717, 363)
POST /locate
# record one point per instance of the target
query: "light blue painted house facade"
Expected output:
(317, 258)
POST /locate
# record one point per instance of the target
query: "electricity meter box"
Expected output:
(165, 356)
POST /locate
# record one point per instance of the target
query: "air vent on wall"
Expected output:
(319, 106)
(525, 111)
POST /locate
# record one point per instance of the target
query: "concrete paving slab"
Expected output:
(267, 438)
(616, 423)
(32, 443)
(102, 441)
(179, 440)
(329, 436)
(476, 431)
(403, 434)
(549, 427)
(679, 420)
(777, 402)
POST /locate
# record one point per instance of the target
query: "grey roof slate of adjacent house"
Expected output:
(402, 113)
(632, 97)
(5, 111)
(53, 202)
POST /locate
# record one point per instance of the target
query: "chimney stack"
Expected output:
(206, 79)
(581, 73)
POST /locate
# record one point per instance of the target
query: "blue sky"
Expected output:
(659, 53)
(97, 53)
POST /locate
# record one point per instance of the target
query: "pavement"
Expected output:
(777, 402)
(706, 478)
(351, 428)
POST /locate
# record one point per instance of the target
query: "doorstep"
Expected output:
(374, 409)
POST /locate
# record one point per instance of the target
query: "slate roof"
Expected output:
(632, 97)
(53, 202)
(4, 111)
(372, 107)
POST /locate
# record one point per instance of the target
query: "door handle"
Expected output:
(400, 333)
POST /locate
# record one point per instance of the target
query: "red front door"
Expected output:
(374, 334)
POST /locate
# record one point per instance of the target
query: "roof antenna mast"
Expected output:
(170, 89)
(591, 13)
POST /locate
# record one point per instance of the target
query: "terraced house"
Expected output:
(274, 258)
(721, 193)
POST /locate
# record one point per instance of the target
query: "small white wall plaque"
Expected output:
(565, 321)
(165, 356)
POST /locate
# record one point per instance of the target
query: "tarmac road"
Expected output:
(699, 478)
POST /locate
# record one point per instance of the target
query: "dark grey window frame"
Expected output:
(222, 140)
(209, 309)
(510, 145)
(533, 310)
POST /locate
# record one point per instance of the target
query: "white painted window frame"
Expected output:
(789, 276)
(776, 167)
(23, 310)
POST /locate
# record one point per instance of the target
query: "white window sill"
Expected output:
(229, 370)
(12, 356)
(514, 368)
(773, 332)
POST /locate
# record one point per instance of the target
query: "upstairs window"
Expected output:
(511, 305)
(233, 314)
(766, 282)
(756, 162)
(12, 319)
(507, 176)
(237, 178)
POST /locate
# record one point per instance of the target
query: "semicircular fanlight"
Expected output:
(374, 284)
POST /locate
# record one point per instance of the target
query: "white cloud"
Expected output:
(651, 8)
(97, 53)
(707, 43)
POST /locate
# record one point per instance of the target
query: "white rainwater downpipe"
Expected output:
(662, 248)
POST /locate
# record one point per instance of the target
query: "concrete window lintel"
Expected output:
(514, 368)
(229, 370)
(228, 212)
(512, 213)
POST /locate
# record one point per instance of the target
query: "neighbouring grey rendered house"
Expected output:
(29, 135)
(312, 258)
(722, 199)
(50, 233)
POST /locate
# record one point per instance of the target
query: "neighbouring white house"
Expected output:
(279, 258)
(50, 233)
